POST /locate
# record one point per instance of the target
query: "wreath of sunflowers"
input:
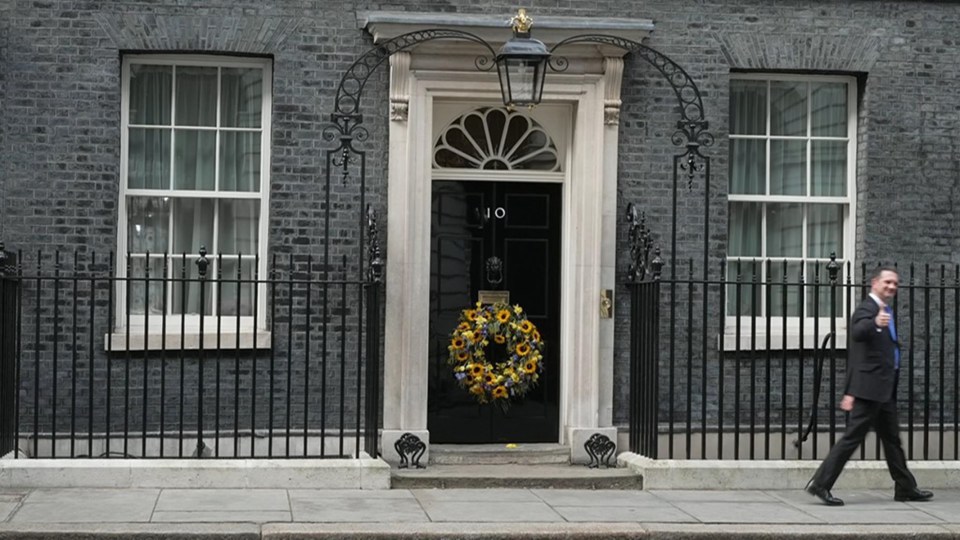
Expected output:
(483, 372)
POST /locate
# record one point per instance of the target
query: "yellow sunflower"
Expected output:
(499, 339)
(489, 378)
(463, 326)
(526, 327)
(523, 349)
(457, 343)
(475, 369)
(462, 356)
(503, 315)
(476, 389)
(500, 392)
(471, 314)
(536, 335)
(530, 367)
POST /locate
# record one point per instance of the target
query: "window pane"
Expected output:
(239, 227)
(784, 230)
(748, 107)
(231, 289)
(828, 168)
(748, 166)
(150, 94)
(745, 229)
(745, 273)
(196, 96)
(817, 273)
(193, 160)
(192, 225)
(785, 291)
(241, 92)
(141, 296)
(239, 161)
(185, 293)
(788, 108)
(828, 109)
(824, 230)
(148, 163)
(148, 221)
(788, 167)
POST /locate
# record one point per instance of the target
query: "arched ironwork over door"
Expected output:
(346, 135)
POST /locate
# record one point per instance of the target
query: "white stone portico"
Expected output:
(580, 110)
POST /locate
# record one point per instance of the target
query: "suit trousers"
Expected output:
(882, 416)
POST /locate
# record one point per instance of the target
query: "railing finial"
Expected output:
(203, 263)
(833, 267)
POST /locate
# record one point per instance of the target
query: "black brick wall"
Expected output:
(60, 112)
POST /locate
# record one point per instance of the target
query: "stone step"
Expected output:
(514, 476)
(499, 454)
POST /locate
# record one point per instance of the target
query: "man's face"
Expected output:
(885, 285)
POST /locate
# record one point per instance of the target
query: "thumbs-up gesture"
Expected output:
(882, 320)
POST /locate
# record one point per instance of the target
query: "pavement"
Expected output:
(468, 513)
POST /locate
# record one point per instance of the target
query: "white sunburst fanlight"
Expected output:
(496, 139)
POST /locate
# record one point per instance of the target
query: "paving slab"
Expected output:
(351, 493)
(475, 495)
(947, 511)
(836, 514)
(490, 512)
(587, 497)
(15, 495)
(713, 496)
(873, 499)
(359, 508)
(745, 512)
(7, 508)
(87, 506)
(211, 516)
(219, 500)
(635, 514)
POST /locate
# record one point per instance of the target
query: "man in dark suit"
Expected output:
(870, 395)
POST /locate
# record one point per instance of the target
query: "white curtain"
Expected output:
(796, 109)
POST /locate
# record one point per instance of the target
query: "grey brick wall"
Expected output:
(60, 105)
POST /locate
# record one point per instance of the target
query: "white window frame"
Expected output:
(190, 338)
(728, 341)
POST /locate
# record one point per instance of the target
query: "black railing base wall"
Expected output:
(257, 447)
(871, 449)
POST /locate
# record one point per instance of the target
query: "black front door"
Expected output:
(520, 224)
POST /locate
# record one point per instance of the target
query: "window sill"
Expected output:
(189, 341)
(728, 342)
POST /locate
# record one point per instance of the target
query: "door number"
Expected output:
(498, 212)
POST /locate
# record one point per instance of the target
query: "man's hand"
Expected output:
(882, 320)
(847, 403)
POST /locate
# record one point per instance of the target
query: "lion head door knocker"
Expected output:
(494, 270)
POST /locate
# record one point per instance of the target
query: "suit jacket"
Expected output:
(871, 371)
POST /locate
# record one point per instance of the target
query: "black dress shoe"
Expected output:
(824, 495)
(915, 495)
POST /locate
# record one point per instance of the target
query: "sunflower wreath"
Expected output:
(496, 380)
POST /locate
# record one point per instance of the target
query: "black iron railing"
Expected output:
(181, 358)
(748, 360)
